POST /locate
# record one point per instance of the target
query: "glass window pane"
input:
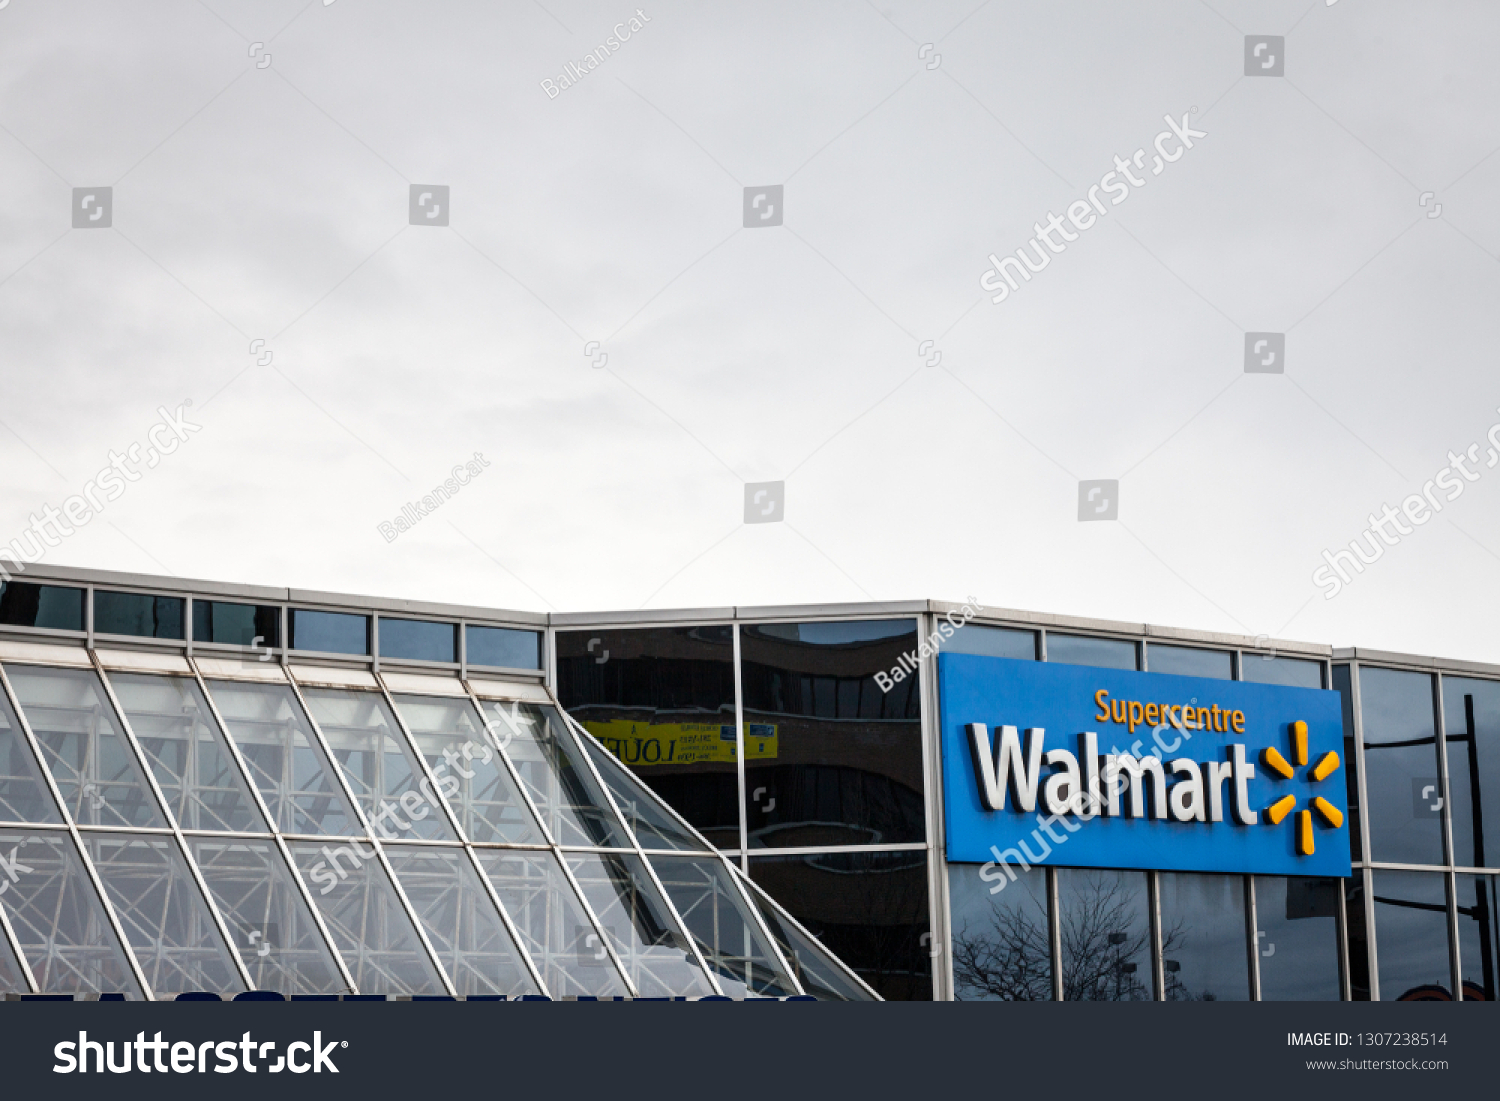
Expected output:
(163, 914)
(504, 647)
(662, 700)
(386, 779)
(556, 931)
(653, 826)
(541, 746)
(1471, 712)
(1106, 936)
(1186, 661)
(1001, 948)
(418, 640)
(1204, 958)
(1401, 770)
(236, 624)
(1477, 940)
(831, 756)
(365, 917)
(23, 791)
(1106, 653)
(1293, 672)
(870, 909)
(330, 632)
(1297, 938)
(1411, 936)
(284, 758)
(96, 772)
(1343, 685)
(654, 952)
(994, 642)
(137, 614)
(59, 920)
(12, 978)
(187, 753)
(811, 963)
(23, 604)
(267, 916)
(470, 774)
(703, 890)
(460, 920)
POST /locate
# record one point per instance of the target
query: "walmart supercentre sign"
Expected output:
(1102, 768)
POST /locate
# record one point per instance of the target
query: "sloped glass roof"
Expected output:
(329, 831)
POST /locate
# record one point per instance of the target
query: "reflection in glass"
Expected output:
(654, 952)
(1203, 938)
(541, 746)
(59, 920)
(267, 916)
(1411, 936)
(1401, 768)
(23, 792)
(96, 772)
(50, 607)
(1343, 684)
(236, 624)
(556, 931)
(505, 647)
(662, 702)
(653, 826)
(832, 756)
(704, 892)
(468, 771)
(1106, 936)
(1292, 672)
(811, 963)
(1297, 938)
(418, 640)
(330, 632)
(163, 914)
(364, 916)
(995, 642)
(1359, 945)
(869, 908)
(1477, 936)
(1001, 947)
(460, 920)
(137, 614)
(386, 779)
(1105, 653)
(284, 758)
(1185, 661)
(187, 753)
(12, 977)
(1471, 712)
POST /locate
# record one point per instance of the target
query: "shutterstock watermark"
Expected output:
(999, 279)
(1387, 529)
(55, 525)
(414, 512)
(574, 71)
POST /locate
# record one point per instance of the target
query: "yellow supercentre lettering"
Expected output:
(1134, 713)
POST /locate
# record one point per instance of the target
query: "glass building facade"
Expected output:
(229, 788)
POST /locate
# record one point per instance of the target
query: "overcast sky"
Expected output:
(262, 156)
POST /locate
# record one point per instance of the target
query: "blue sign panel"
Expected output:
(1104, 768)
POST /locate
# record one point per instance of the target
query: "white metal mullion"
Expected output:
(78, 845)
(161, 799)
(938, 905)
(760, 923)
(1440, 719)
(739, 748)
(459, 833)
(645, 860)
(343, 780)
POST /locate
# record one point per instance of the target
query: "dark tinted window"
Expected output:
(1297, 938)
(1107, 653)
(1293, 672)
(137, 614)
(23, 604)
(1401, 768)
(418, 640)
(1342, 685)
(1186, 661)
(1001, 951)
(1471, 711)
(330, 632)
(995, 642)
(1411, 936)
(661, 699)
(1477, 936)
(1106, 935)
(506, 647)
(869, 909)
(833, 738)
(236, 624)
(1205, 957)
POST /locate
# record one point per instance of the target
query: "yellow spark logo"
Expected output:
(1327, 765)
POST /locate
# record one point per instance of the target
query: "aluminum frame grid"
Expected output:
(80, 834)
